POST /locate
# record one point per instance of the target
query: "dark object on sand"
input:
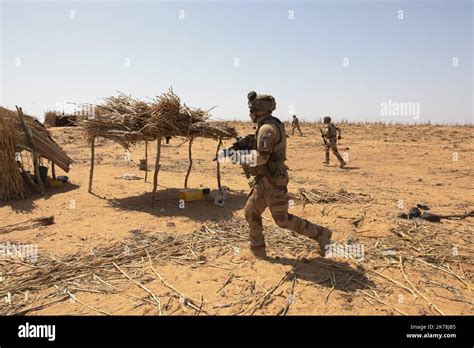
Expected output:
(26, 225)
(430, 217)
(423, 207)
(416, 213)
(412, 214)
(143, 165)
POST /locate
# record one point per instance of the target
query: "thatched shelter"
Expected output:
(56, 119)
(20, 133)
(127, 120)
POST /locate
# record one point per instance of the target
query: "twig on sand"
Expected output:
(140, 285)
(447, 271)
(228, 280)
(291, 296)
(394, 282)
(41, 306)
(260, 302)
(193, 303)
(417, 291)
(382, 302)
(86, 305)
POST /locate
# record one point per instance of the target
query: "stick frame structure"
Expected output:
(157, 169)
(29, 136)
(91, 169)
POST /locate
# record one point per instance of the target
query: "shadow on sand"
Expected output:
(326, 272)
(27, 204)
(166, 204)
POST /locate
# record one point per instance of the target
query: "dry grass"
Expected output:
(11, 182)
(127, 120)
(21, 140)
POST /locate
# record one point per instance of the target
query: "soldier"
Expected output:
(332, 133)
(296, 124)
(269, 186)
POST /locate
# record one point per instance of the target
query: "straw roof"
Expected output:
(11, 182)
(42, 140)
(127, 120)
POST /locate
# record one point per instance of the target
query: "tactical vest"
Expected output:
(331, 131)
(275, 165)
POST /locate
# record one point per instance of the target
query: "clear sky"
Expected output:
(346, 59)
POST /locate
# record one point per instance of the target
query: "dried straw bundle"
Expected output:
(122, 119)
(170, 118)
(214, 130)
(11, 182)
(127, 120)
(21, 140)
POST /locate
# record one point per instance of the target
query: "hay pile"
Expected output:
(127, 120)
(21, 140)
(122, 119)
(11, 182)
(50, 118)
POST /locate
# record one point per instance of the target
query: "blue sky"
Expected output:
(51, 55)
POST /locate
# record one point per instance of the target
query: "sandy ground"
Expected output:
(392, 167)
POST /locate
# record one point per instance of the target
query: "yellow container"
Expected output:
(55, 182)
(189, 195)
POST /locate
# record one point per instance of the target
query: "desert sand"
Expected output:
(409, 267)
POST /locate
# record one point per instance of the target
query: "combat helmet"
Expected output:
(327, 119)
(260, 104)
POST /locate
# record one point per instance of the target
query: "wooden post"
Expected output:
(91, 170)
(190, 162)
(27, 176)
(29, 136)
(157, 169)
(218, 165)
(146, 160)
(53, 170)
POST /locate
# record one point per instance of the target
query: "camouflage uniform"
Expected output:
(296, 124)
(270, 182)
(330, 131)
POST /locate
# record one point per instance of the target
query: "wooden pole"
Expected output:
(27, 176)
(157, 169)
(29, 136)
(53, 170)
(190, 162)
(218, 165)
(146, 160)
(91, 170)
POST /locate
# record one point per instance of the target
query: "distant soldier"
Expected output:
(269, 186)
(296, 124)
(331, 133)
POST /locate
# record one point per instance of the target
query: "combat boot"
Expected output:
(259, 252)
(324, 239)
(322, 235)
(343, 164)
(251, 253)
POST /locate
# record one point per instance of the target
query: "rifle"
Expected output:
(324, 138)
(241, 145)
